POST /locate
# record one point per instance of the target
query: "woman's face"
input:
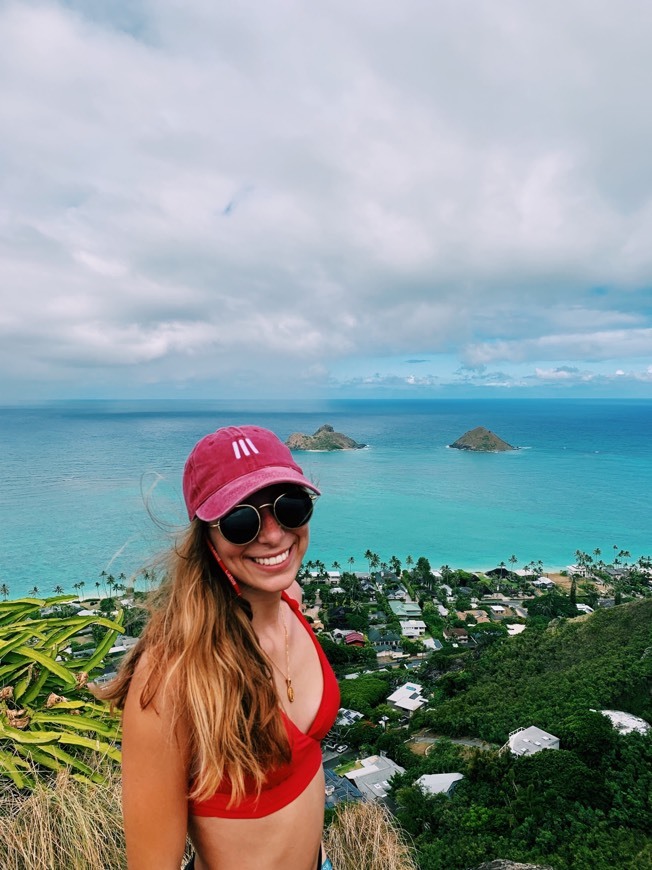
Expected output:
(271, 561)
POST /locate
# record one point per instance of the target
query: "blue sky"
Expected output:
(274, 198)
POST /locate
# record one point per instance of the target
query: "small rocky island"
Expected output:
(481, 440)
(325, 438)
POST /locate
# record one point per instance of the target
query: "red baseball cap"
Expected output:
(229, 465)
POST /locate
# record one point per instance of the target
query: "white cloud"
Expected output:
(262, 192)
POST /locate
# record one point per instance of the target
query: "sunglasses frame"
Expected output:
(257, 509)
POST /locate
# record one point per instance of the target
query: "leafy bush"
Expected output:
(49, 721)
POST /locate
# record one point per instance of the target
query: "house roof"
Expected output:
(354, 637)
(438, 783)
(527, 741)
(338, 789)
(374, 776)
(407, 697)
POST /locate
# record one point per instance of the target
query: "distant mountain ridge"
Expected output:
(325, 438)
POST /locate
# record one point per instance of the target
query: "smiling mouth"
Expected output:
(271, 560)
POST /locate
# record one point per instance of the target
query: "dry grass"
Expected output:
(62, 825)
(363, 836)
(66, 825)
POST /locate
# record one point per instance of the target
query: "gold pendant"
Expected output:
(288, 683)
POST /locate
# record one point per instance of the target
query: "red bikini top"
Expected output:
(287, 782)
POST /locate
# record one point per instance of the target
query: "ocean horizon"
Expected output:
(95, 486)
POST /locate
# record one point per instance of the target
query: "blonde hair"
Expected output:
(206, 659)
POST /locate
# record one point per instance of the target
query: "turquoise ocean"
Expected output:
(96, 486)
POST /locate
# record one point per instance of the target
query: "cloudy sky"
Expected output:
(340, 198)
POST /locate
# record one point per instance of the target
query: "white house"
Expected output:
(413, 627)
(528, 741)
(407, 697)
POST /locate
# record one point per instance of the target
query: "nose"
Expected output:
(270, 529)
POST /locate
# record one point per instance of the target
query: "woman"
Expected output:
(227, 693)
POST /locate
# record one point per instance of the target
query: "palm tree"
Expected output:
(351, 561)
(336, 565)
(34, 591)
(513, 561)
(4, 591)
(58, 590)
(82, 583)
(97, 586)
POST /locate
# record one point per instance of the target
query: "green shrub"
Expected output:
(49, 721)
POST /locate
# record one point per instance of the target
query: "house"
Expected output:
(354, 638)
(405, 609)
(498, 609)
(584, 608)
(373, 777)
(441, 610)
(399, 594)
(407, 697)
(528, 741)
(543, 583)
(456, 635)
(580, 570)
(438, 783)
(513, 630)
(384, 640)
(447, 589)
(339, 789)
(432, 643)
(413, 627)
(347, 717)
(480, 616)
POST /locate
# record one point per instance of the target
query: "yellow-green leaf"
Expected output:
(43, 659)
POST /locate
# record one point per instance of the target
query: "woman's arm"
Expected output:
(154, 781)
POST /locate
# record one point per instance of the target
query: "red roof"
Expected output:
(354, 637)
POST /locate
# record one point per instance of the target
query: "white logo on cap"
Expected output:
(244, 447)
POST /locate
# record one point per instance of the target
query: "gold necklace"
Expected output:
(288, 679)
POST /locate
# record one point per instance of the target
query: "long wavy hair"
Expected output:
(207, 661)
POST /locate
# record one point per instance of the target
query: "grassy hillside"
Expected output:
(548, 677)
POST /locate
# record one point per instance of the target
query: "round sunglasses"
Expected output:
(242, 524)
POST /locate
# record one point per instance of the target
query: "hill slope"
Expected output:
(544, 678)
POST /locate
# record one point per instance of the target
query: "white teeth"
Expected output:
(273, 560)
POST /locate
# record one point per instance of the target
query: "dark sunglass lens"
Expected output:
(240, 526)
(293, 509)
